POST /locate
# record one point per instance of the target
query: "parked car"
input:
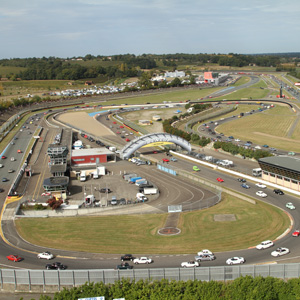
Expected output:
(290, 205)
(1, 166)
(142, 260)
(220, 179)
(205, 257)
(14, 258)
(195, 168)
(165, 160)
(4, 179)
(124, 266)
(3, 157)
(261, 194)
(190, 264)
(127, 257)
(12, 159)
(280, 251)
(173, 159)
(45, 255)
(114, 201)
(264, 245)
(235, 260)
(278, 192)
(1, 190)
(10, 170)
(105, 190)
(296, 233)
(56, 266)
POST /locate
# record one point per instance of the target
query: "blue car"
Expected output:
(245, 186)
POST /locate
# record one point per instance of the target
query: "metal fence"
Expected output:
(44, 279)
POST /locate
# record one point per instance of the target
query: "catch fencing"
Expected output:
(52, 280)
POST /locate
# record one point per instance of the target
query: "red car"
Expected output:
(165, 160)
(118, 132)
(14, 258)
(127, 140)
(114, 122)
(121, 126)
(220, 179)
(154, 152)
(296, 233)
(19, 151)
(3, 156)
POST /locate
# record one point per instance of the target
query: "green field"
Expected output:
(247, 93)
(138, 233)
(270, 127)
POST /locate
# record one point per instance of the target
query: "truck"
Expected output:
(140, 197)
(112, 149)
(134, 179)
(150, 191)
(89, 200)
(257, 172)
(101, 170)
(95, 174)
(141, 181)
(82, 176)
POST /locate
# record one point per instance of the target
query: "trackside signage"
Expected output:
(93, 298)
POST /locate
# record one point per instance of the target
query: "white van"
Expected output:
(82, 176)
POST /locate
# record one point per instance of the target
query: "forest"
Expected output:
(130, 65)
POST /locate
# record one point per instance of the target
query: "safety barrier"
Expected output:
(53, 280)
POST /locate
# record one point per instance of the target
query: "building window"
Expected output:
(295, 181)
(286, 179)
(266, 173)
(92, 158)
(78, 159)
(279, 177)
(272, 175)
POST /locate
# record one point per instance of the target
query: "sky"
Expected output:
(73, 28)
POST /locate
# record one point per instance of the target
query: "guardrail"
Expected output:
(52, 280)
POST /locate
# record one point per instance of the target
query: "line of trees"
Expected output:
(128, 65)
(235, 149)
(242, 288)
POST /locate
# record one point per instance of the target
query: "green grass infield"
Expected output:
(139, 233)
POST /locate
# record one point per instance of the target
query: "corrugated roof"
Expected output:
(291, 163)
